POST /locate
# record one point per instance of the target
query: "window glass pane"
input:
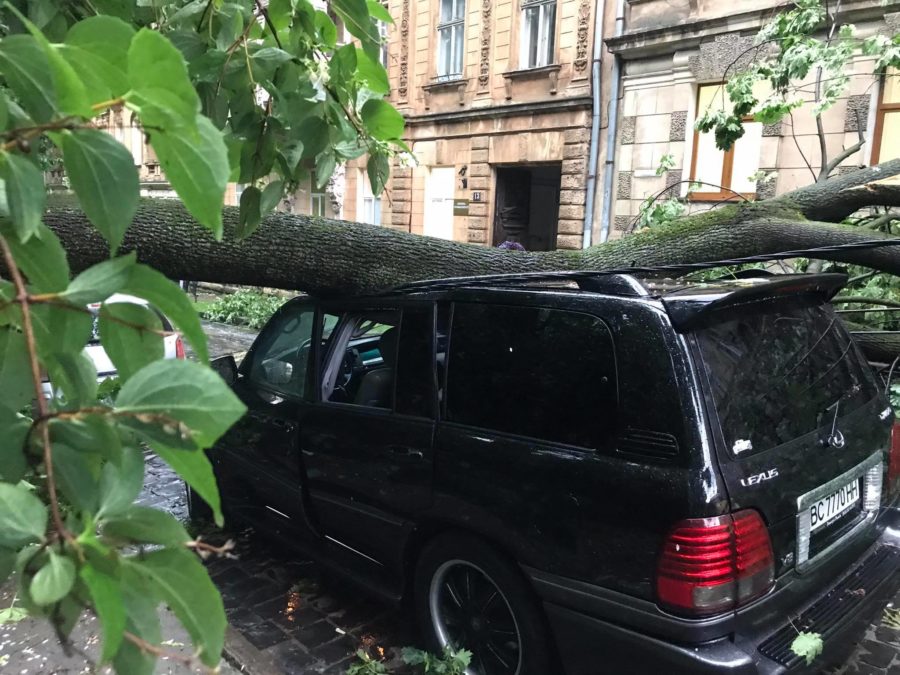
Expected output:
(891, 92)
(459, 9)
(363, 360)
(415, 374)
(542, 373)
(444, 38)
(890, 137)
(531, 26)
(550, 31)
(458, 35)
(746, 158)
(281, 360)
(447, 10)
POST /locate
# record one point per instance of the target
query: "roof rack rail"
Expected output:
(597, 281)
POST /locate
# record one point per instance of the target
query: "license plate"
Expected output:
(833, 506)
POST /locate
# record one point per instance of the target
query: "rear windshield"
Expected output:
(780, 375)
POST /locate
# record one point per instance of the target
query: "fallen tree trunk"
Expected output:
(327, 256)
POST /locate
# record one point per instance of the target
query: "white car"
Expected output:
(173, 345)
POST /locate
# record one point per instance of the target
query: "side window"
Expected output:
(415, 370)
(536, 372)
(281, 361)
(361, 359)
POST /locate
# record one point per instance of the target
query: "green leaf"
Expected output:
(100, 281)
(168, 298)
(120, 485)
(184, 392)
(197, 168)
(42, 259)
(75, 375)
(325, 164)
(71, 96)
(104, 36)
(194, 467)
(250, 212)
(326, 28)
(121, 9)
(105, 180)
(15, 371)
(372, 73)
(382, 120)
(53, 581)
(379, 11)
(379, 170)
(60, 329)
(14, 430)
(312, 133)
(4, 111)
(26, 70)
(12, 615)
(25, 194)
(75, 478)
(141, 524)
(161, 90)
(89, 433)
(355, 16)
(807, 645)
(142, 620)
(271, 195)
(102, 80)
(106, 597)
(183, 583)
(130, 334)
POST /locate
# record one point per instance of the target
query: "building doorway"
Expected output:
(439, 188)
(527, 205)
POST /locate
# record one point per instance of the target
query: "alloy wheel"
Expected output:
(469, 611)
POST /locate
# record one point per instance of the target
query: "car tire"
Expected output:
(198, 510)
(492, 592)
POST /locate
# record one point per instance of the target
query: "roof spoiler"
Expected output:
(699, 306)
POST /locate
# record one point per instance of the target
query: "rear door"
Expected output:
(800, 424)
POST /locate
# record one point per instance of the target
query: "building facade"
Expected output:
(497, 99)
(675, 55)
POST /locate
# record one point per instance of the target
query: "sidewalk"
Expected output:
(30, 647)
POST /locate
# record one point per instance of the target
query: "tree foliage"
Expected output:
(256, 92)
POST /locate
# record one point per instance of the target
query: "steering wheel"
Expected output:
(345, 375)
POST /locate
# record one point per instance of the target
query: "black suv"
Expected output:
(581, 473)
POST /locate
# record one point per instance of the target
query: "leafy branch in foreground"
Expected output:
(246, 91)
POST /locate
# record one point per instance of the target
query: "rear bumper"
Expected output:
(593, 636)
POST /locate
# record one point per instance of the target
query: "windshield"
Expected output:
(780, 375)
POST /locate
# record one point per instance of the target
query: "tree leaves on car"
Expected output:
(120, 485)
(177, 576)
(808, 646)
(196, 470)
(103, 175)
(131, 335)
(196, 165)
(41, 258)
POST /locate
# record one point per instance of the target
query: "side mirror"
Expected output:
(278, 372)
(226, 367)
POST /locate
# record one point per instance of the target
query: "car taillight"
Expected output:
(179, 348)
(893, 482)
(710, 565)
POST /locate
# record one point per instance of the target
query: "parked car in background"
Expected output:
(173, 345)
(577, 473)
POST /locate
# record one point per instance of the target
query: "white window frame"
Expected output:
(453, 25)
(545, 51)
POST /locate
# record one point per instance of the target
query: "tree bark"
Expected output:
(326, 256)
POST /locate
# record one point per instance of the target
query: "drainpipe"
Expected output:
(612, 129)
(594, 150)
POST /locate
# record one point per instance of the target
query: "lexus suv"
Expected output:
(580, 473)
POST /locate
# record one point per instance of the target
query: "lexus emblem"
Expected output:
(837, 439)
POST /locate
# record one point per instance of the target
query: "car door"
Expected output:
(258, 461)
(367, 441)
